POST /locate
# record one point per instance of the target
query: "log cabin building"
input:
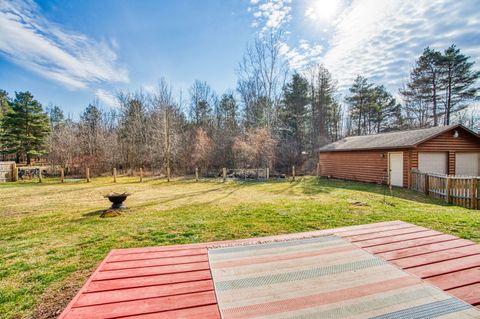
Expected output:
(389, 157)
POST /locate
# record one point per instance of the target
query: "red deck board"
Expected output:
(438, 256)
(104, 297)
(150, 271)
(456, 279)
(470, 294)
(397, 238)
(127, 251)
(389, 233)
(409, 243)
(444, 267)
(135, 282)
(175, 281)
(138, 307)
(372, 230)
(155, 262)
(425, 249)
(203, 312)
(160, 254)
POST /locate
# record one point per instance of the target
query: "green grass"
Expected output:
(52, 237)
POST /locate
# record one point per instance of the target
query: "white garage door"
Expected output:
(467, 164)
(432, 162)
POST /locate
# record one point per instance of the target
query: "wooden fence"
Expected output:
(7, 171)
(458, 190)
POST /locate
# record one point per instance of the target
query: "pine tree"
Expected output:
(25, 128)
(325, 111)
(293, 120)
(55, 116)
(458, 80)
(360, 101)
(90, 128)
(5, 103)
(386, 112)
(5, 107)
(445, 82)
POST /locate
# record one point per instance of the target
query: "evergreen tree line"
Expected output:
(275, 118)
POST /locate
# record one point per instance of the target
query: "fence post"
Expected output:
(293, 172)
(224, 173)
(141, 175)
(14, 172)
(447, 196)
(87, 172)
(40, 178)
(426, 184)
(267, 175)
(62, 175)
(114, 174)
(196, 174)
(474, 192)
(318, 169)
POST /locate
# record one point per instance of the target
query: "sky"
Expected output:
(68, 53)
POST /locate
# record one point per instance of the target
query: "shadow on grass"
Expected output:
(323, 185)
(94, 213)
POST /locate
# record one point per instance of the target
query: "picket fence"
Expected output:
(454, 189)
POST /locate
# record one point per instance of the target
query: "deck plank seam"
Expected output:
(387, 236)
(430, 252)
(150, 275)
(374, 230)
(164, 311)
(445, 273)
(460, 286)
(438, 261)
(145, 298)
(394, 242)
(144, 286)
(387, 251)
(151, 266)
(152, 258)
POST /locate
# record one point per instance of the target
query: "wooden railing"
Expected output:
(458, 190)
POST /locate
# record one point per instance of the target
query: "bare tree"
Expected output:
(261, 76)
(202, 101)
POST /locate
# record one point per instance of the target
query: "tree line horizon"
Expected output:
(275, 118)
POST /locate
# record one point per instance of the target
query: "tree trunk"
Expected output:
(449, 100)
(434, 101)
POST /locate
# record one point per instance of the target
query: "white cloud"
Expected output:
(270, 14)
(310, 13)
(70, 58)
(382, 39)
(150, 88)
(375, 38)
(302, 56)
(107, 98)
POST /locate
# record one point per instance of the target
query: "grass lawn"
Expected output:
(52, 237)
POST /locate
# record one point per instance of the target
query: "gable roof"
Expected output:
(399, 139)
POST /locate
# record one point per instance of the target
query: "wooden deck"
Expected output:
(176, 281)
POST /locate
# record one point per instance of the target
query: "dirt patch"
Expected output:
(52, 302)
(358, 203)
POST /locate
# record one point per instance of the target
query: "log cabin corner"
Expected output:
(388, 158)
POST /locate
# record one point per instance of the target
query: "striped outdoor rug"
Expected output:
(325, 277)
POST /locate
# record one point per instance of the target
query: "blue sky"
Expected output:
(70, 52)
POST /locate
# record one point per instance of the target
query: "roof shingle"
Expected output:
(386, 140)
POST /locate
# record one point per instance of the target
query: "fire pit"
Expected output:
(117, 200)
